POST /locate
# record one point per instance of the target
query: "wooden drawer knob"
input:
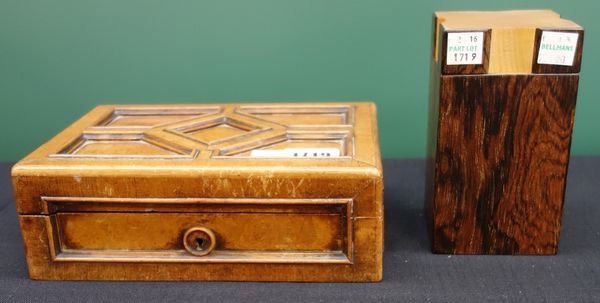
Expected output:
(199, 241)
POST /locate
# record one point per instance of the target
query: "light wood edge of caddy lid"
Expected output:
(513, 34)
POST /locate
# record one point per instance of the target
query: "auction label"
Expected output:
(464, 48)
(296, 153)
(557, 48)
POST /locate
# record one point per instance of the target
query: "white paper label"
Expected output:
(296, 153)
(464, 48)
(557, 48)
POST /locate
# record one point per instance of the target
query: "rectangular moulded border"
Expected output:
(54, 205)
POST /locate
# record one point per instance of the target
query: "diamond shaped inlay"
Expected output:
(217, 133)
(216, 130)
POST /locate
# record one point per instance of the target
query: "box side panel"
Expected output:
(60, 245)
(432, 123)
(503, 150)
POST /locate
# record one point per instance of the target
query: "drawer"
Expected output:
(201, 230)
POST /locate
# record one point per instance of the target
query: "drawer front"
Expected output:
(246, 231)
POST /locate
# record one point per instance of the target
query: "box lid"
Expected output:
(248, 145)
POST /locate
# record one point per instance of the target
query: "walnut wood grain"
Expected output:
(172, 192)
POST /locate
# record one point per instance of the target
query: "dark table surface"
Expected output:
(411, 272)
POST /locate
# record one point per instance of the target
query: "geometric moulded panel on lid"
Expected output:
(151, 117)
(223, 131)
(122, 146)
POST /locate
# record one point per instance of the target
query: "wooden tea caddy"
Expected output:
(500, 124)
(177, 192)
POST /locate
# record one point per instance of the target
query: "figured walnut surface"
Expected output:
(498, 146)
(131, 192)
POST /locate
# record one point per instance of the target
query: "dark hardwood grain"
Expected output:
(499, 138)
(501, 162)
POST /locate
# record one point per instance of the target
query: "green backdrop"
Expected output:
(58, 59)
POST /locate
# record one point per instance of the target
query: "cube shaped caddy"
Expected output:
(502, 103)
(179, 192)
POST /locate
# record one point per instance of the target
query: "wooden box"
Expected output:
(502, 101)
(256, 192)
